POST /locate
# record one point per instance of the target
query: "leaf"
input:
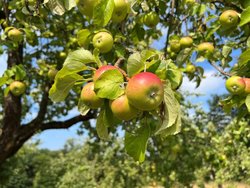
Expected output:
(174, 75)
(103, 12)
(3, 80)
(56, 6)
(20, 72)
(134, 64)
(108, 117)
(171, 123)
(226, 50)
(183, 56)
(245, 17)
(83, 38)
(69, 4)
(247, 102)
(136, 144)
(76, 62)
(62, 86)
(110, 84)
(82, 108)
(244, 57)
(101, 128)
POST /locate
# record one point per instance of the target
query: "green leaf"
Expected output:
(101, 128)
(245, 17)
(3, 80)
(56, 6)
(76, 62)
(171, 123)
(244, 57)
(108, 117)
(62, 86)
(247, 102)
(82, 108)
(135, 64)
(183, 56)
(69, 4)
(83, 38)
(226, 50)
(20, 72)
(110, 84)
(173, 74)
(103, 12)
(136, 144)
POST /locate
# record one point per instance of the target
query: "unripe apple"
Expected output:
(235, 85)
(15, 35)
(122, 109)
(145, 91)
(175, 45)
(205, 48)
(89, 97)
(151, 19)
(17, 88)
(52, 74)
(229, 18)
(190, 68)
(247, 82)
(62, 55)
(186, 42)
(120, 11)
(86, 7)
(101, 70)
(103, 41)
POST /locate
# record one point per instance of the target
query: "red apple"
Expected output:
(145, 91)
(247, 82)
(235, 85)
(122, 109)
(101, 70)
(17, 88)
(89, 97)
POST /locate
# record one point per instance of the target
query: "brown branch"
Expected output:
(220, 69)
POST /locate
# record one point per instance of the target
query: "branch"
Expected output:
(219, 69)
(68, 123)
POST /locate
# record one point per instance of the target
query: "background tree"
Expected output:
(37, 36)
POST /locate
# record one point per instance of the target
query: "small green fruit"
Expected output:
(17, 88)
(186, 42)
(190, 68)
(205, 48)
(151, 19)
(175, 46)
(120, 11)
(103, 41)
(229, 19)
(15, 35)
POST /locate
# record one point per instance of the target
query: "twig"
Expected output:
(219, 69)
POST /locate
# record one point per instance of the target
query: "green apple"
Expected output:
(151, 19)
(235, 85)
(205, 48)
(145, 91)
(62, 55)
(52, 74)
(175, 46)
(186, 42)
(15, 35)
(229, 19)
(103, 41)
(17, 88)
(190, 68)
(89, 97)
(247, 82)
(101, 70)
(120, 11)
(122, 109)
(86, 7)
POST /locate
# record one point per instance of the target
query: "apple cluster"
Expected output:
(143, 92)
(237, 85)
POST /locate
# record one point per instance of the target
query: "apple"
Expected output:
(229, 18)
(62, 55)
(89, 97)
(101, 70)
(122, 109)
(205, 48)
(190, 68)
(52, 74)
(86, 7)
(17, 88)
(175, 45)
(235, 85)
(103, 41)
(145, 91)
(186, 42)
(15, 35)
(151, 19)
(247, 82)
(120, 11)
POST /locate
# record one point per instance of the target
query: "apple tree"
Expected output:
(100, 57)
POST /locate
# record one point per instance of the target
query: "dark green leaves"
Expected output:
(110, 84)
(136, 144)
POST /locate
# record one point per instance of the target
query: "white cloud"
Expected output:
(3, 63)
